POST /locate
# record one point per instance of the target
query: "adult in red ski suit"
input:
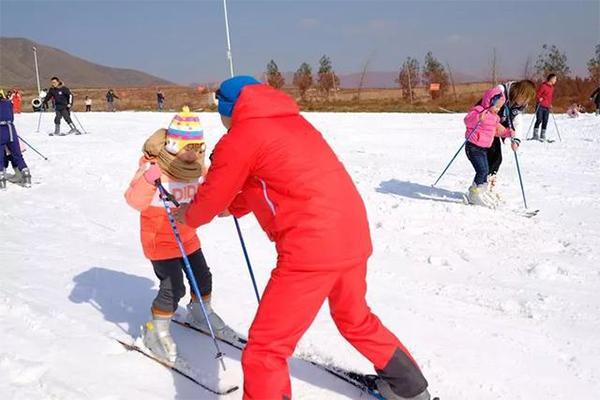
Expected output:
(273, 163)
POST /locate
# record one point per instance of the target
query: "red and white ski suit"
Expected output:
(272, 162)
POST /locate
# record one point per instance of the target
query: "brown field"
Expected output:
(342, 100)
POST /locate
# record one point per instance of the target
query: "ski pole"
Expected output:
(458, 151)
(239, 231)
(532, 120)
(39, 121)
(32, 148)
(77, 119)
(166, 196)
(520, 179)
(556, 126)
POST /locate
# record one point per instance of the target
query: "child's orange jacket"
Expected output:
(158, 240)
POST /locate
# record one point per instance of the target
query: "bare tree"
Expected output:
(409, 77)
(452, 82)
(494, 67)
(363, 77)
(434, 72)
(327, 78)
(274, 76)
(527, 68)
(303, 79)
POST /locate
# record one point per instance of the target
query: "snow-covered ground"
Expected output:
(492, 304)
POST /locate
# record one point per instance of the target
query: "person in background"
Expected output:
(16, 98)
(88, 104)
(545, 94)
(518, 96)
(63, 101)
(595, 97)
(110, 100)
(160, 100)
(9, 145)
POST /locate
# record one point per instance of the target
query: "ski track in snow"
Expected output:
(493, 305)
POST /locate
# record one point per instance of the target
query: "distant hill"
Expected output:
(17, 68)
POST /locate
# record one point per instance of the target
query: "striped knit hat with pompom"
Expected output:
(185, 128)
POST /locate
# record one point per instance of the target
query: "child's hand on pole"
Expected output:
(514, 144)
(152, 173)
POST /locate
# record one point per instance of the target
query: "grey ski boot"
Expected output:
(2, 180)
(74, 129)
(25, 178)
(56, 130)
(195, 317)
(157, 338)
(386, 391)
(535, 134)
(543, 136)
(401, 379)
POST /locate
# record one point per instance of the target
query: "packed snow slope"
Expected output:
(493, 305)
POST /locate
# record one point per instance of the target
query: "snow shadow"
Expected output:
(122, 298)
(125, 299)
(418, 191)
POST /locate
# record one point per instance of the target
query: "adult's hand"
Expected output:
(179, 213)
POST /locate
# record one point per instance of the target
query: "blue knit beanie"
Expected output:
(230, 90)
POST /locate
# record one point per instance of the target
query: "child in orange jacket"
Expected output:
(176, 157)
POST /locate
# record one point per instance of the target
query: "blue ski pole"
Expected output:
(239, 231)
(458, 151)
(520, 179)
(32, 148)
(166, 196)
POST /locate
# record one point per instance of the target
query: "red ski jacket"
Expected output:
(544, 94)
(272, 162)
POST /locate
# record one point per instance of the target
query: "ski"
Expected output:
(527, 213)
(363, 382)
(178, 370)
(239, 344)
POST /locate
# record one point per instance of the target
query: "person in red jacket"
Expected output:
(272, 162)
(544, 97)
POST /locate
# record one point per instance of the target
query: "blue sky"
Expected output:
(184, 41)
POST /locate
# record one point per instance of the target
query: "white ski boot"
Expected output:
(195, 317)
(157, 338)
(492, 188)
(386, 391)
(2, 180)
(478, 195)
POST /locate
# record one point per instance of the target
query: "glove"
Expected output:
(514, 143)
(152, 173)
(69, 105)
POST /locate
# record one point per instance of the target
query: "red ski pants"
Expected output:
(288, 307)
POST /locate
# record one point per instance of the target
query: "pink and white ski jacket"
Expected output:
(482, 135)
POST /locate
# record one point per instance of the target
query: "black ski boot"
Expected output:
(56, 130)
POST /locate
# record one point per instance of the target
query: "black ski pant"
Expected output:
(9, 140)
(62, 113)
(172, 289)
(494, 156)
(541, 117)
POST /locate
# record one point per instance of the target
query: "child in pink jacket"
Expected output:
(483, 124)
